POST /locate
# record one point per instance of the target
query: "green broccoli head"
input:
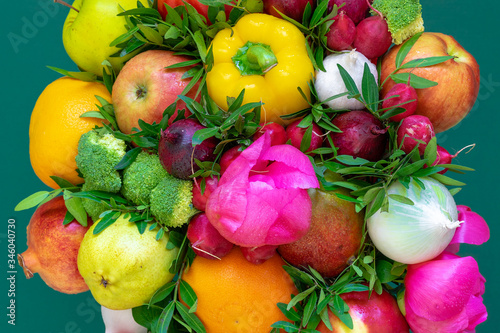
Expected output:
(404, 17)
(98, 153)
(171, 201)
(93, 208)
(141, 177)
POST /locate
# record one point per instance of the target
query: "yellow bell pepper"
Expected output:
(267, 57)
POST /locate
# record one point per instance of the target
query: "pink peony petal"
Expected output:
(476, 311)
(473, 230)
(439, 289)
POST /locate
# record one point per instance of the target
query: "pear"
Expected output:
(122, 267)
(333, 239)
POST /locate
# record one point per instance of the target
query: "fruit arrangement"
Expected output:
(257, 166)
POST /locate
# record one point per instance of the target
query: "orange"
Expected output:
(56, 127)
(236, 296)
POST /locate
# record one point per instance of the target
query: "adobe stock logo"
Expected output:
(30, 26)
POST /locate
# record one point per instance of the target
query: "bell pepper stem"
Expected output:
(255, 59)
(261, 58)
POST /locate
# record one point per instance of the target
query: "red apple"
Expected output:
(53, 248)
(458, 79)
(291, 8)
(375, 313)
(144, 88)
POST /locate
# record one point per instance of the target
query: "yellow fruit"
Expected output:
(236, 296)
(56, 127)
(122, 267)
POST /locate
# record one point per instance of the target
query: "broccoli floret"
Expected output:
(92, 207)
(404, 17)
(171, 201)
(98, 153)
(141, 177)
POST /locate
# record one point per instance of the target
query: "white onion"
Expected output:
(412, 234)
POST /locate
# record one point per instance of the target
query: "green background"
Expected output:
(37, 26)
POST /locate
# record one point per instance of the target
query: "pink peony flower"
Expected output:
(269, 208)
(444, 295)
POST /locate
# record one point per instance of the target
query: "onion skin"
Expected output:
(412, 234)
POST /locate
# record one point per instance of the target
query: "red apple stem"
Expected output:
(66, 4)
(371, 7)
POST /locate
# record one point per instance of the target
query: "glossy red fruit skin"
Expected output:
(342, 33)
(199, 199)
(412, 128)
(258, 255)
(370, 313)
(205, 240)
(295, 134)
(176, 150)
(276, 131)
(362, 135)
(373, 38)
(443, 157)
(405, 93)
(355, 9)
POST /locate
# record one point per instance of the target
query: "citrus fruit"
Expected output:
(56, 127)
(122, 267)
(235, 295)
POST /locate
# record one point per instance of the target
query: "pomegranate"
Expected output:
(53, 248)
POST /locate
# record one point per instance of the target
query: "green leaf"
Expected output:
(369, 89)
(166, 317)
(288, 327)
(301, 296)
(83, 76)
(129, 157)
(348, 81)
(200, 44)
(187, 293)
(75, 207)
(32, 201)
(68, 218)
(411, 168)
(190, 318)
(405, 48)
(425, 62)
(340, 309)
(416, 82)
(377, 203)
(430, 153)
(309, 308)
(146, 316)
(203, 134)
(92, 114)
(290, 314)
(402, 199)
(108, 219)
(445, 180)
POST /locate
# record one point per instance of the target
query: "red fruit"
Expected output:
(205, 240)
(199, 199)
(355, 9)
(53, 248)
(258, 255)
(443, 157)
(295, 134)
(276, 132)
(342, 33)
(229, 156)
(362, 135)
(369, 313)
(415, 130)
(176, 151)
(404, 94)
(373, 38)
(291, 8)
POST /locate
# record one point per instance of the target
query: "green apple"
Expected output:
(89, 30)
